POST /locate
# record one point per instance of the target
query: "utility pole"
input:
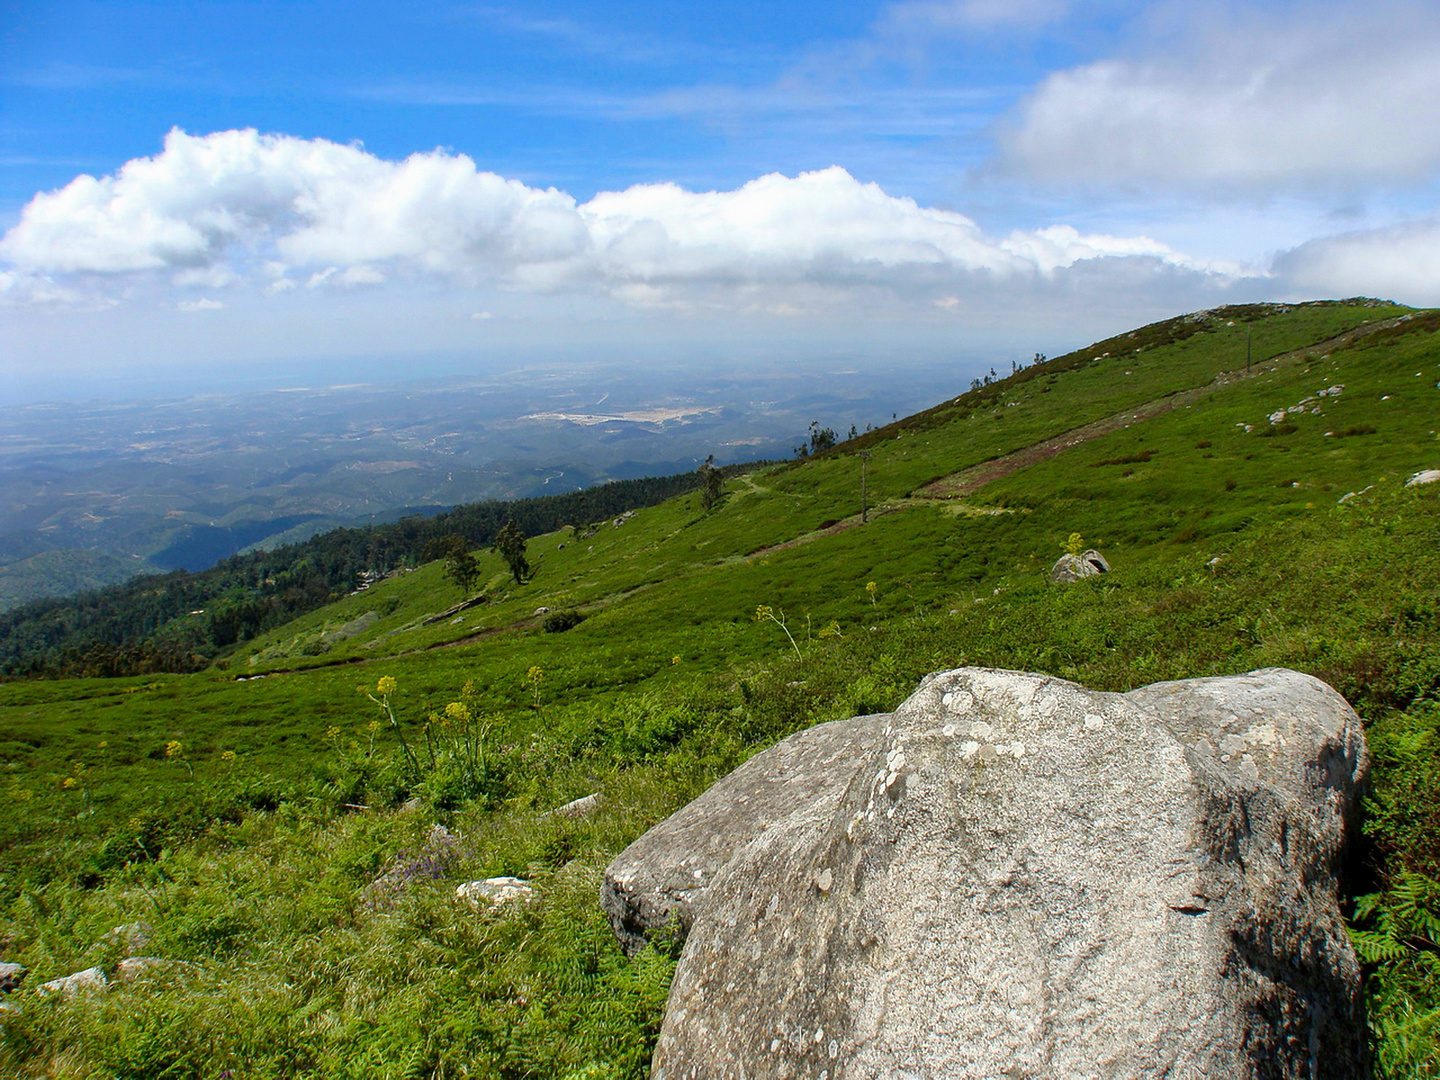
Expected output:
(864, 456)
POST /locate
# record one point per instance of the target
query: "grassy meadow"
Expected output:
(271, 819)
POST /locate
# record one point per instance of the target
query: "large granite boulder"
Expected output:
(1022, 877)
(655, 885)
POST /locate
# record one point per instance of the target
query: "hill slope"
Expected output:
(244, 817)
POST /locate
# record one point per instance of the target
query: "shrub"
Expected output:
(558, 622)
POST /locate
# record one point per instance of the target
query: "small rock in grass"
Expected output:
(581, 807)
(1424, 476)
(496, 892)
(90, 981)
(11, 976)
(1074, 567)
(137, 967)
(430, 861)
(131, 938)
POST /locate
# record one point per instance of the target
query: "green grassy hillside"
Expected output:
(243, 812)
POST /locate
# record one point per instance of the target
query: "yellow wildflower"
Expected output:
(386, 686)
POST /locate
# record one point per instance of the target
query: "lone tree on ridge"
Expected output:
(510, 545)
(712, 482)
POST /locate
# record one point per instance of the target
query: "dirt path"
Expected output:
(972, 479)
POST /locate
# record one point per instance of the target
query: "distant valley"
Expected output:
(92, 494)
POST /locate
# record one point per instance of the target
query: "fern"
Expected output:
(1405, 920)
(1376, 947)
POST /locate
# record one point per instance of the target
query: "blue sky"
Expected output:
(199, 188)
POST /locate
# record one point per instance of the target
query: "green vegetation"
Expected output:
(271, 816)
(181, 621)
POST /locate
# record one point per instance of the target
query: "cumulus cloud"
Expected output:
(1401, 262)
(239, 208)
(204, 199)
(1314, 95)
(203, 304)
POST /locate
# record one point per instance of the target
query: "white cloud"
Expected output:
(206, 277)
(1314, 95)
(24, 289)
(271, 211)
(203, 304)
(1401, 262)
(208, 198)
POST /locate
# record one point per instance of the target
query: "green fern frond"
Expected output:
(1376, 947)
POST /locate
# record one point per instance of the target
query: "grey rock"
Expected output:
(496, 892)
(1022, 877)
(9, 1010)
(1424, 476)
(11, 976)
(130, 939)
(656, 884)
(581, 807)
(430, 861)
(90, 981)
(1075, 567)
(148, 967)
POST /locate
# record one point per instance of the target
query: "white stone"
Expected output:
(90, 981)
(497, 892)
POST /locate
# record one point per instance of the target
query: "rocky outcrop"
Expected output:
(1075, 567)
(1016, 876)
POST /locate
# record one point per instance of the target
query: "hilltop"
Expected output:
(1243, 470)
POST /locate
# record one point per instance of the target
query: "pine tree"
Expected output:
(712, 483)
(510, 545)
